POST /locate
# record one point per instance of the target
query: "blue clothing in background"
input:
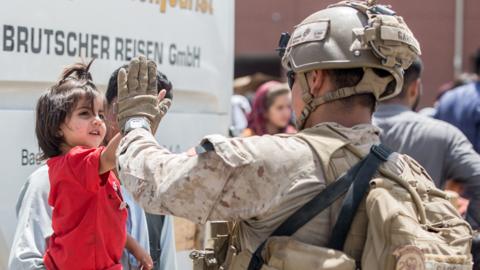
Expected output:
(461, 108)
(137, 228)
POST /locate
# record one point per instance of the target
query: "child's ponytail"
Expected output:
(78, 71)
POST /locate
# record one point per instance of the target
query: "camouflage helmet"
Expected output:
(351, 34)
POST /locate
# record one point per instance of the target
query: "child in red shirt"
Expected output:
(89, 214)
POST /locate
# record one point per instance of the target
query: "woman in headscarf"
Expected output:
(271, 112)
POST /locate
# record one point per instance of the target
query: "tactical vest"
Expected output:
(404, 222)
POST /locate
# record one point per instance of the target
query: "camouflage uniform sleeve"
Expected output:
(238, 179)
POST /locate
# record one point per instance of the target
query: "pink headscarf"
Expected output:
(256, 119)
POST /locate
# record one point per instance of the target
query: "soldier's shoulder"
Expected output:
(241, 151)
(281, 142)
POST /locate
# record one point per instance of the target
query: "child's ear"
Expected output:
(59, 133)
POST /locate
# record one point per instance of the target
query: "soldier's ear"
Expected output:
(318, 81)
(415, 88)
(413, 91)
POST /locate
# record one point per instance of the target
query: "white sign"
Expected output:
(191, 41)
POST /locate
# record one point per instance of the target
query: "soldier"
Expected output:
(284, 192)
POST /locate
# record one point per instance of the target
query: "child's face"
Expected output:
(85, 126)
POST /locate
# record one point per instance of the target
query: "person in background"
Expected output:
(240, 109)
(271, 112)
(462, 79)
(34, 223)
(159, 230)
(459, 107)
(441, 148)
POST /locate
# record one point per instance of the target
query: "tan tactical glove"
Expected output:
(137, 93)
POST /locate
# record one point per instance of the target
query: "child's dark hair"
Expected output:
(55, 105)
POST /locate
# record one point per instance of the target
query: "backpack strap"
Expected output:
(362, 173)
(355, 194)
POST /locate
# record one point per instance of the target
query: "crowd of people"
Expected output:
(354, 179)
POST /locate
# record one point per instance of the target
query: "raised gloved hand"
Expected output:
(137, 93)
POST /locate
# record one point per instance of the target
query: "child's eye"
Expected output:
(102, 116)
(84, 113)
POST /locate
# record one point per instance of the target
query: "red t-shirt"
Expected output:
(88, 220)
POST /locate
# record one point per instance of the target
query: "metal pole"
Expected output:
(458, 46)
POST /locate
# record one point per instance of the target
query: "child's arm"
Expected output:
(107, 158)
(143, 258)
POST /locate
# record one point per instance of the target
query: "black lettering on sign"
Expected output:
(119, 49)
(129, 51)
(141, 47)
(172, 59)
(36, 48)
(48, 34)
(71, 49)
(83, 44)
(94, 46)
(59, 43)
(32, 40)
(24, 157)
(104, 46)
(8, 38)
(149, 49)
(22, 39)
(195, 57)
(158, 53)
(30, 158)
(188, 57)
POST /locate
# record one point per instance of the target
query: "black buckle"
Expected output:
(282, 43)
(381, 151)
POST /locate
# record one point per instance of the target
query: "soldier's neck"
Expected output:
(398, 101)
(348, 118)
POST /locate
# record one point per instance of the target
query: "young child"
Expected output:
(89, 214)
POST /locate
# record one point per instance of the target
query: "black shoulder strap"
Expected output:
(355, 195)
(360, 175)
